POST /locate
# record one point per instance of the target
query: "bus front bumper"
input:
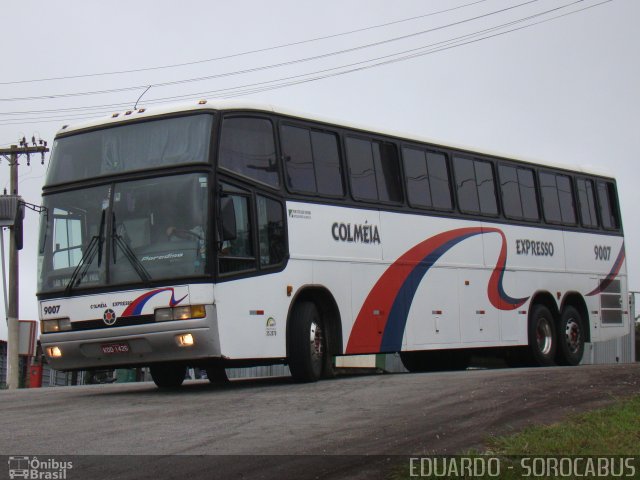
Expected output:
(131, 346)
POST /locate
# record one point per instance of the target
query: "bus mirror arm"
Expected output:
(227, 217)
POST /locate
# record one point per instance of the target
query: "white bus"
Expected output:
(224, 234)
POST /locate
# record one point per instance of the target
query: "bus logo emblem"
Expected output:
(109, 317)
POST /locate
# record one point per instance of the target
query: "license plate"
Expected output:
(115, 348)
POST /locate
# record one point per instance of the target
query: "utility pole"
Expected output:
(12, 154)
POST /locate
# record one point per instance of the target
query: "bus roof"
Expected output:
(146, 113)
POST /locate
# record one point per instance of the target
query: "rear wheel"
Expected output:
(308, 355)
(542, 336)
(168, 375)
(571, 337)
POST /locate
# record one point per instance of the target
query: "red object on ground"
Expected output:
(35, 376)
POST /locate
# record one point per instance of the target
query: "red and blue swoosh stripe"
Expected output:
(135, 307)
(615, 270)
(380, 324)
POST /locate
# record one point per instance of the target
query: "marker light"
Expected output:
(54, 352)
(180, 313)
(185, 340)
(55, 325)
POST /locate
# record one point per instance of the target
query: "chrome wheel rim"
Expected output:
(573, 335)
(316, 339)
(544, 336)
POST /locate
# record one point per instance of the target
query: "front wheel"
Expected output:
(542, 336)
(308, 343)
(168, 375)
(571, 337)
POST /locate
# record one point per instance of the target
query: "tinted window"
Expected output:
(608, 205)
(236, 254)
(312, 162)
(373, 170)
(427, 179)
(486, 188)
(361, 173)
(247, 147)
(136, 146)
(271, 237)
(439, 181)
(557, 198)
(475, 186)
(550, 202)
(326, 161)
(565, 196)
(466, 185)
(298, 160)
(587, 203)
(518, 193)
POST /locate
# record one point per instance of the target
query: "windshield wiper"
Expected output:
(129, 254)
(94, 247)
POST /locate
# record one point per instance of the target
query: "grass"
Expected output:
(614, 430)
(608, 432)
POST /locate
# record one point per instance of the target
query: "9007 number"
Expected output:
(52, 310)
(602, 253)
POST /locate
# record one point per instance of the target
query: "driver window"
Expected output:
(237, 254)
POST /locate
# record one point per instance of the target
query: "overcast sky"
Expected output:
(564, 91)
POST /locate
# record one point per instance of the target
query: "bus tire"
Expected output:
(542, 336)
(413, 361)
(168, 375)
(571, 337)
(217, 374)
(308, 343)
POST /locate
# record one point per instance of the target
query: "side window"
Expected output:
(518, 190)
(373, 170)
(608, 205)
(298, 160)
(475, 186)
(326, 160)
(312, 161)
(557, 198)
(427, 179)
(271, 236)
(587, 203)
(236, 254)
(247, 147)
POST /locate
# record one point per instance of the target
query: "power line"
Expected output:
(249, 52)
(417, 52)
(267, 67)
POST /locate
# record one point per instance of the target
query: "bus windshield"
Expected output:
(123, 233)
(140, 146)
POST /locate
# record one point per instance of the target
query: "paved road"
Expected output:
(306, 425)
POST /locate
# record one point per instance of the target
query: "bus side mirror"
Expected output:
(228, 219)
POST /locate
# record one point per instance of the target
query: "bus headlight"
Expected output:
(54, 352)
(55, 325)
(180, 313)
(185, 340)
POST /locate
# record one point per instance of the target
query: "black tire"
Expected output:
(308, 357)
(414, 361)
(435, 361)
(542, 336)
(217, 374)
(571, 337)
(168, 375)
